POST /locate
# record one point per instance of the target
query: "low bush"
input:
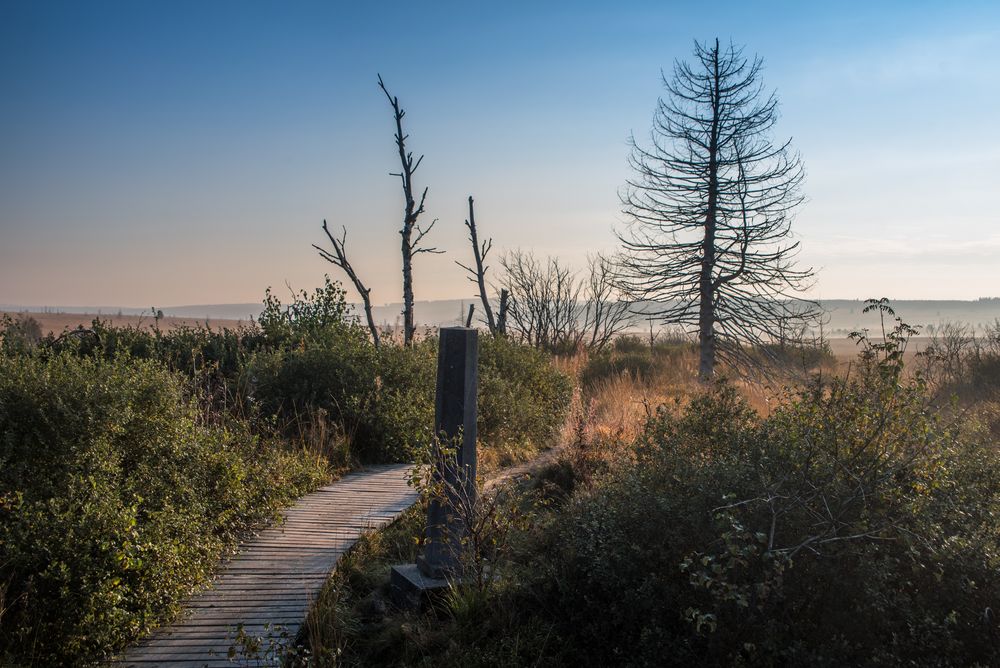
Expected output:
(639, 365)
(630, 343)
(984, 376)
(381, 400)
(523, 398)
(116, 499)
(853, 526)
(981, 376)
(634, 357)
(962, 363)
(802, 357)
(19, 334)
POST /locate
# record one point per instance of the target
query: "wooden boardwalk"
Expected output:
(267, 588)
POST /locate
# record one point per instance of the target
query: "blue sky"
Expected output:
(164, 153)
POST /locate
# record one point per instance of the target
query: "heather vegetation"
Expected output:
(132, 459)
(851, 523)
(961, 361)
(848, 518)
(638, 359)
(117, 496)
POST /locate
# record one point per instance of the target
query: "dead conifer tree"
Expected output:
(339, 258)
(478, 275)
(708, 241)
(411, 233)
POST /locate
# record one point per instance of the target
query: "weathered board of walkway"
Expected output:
(266, 589)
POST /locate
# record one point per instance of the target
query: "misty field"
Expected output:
(57, 323)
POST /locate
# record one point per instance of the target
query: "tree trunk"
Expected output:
(339, 258)
(706, 311)
(502, 315)
(706, 287)
(480, 272)
(408, 326)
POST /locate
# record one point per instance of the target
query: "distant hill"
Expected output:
(843, 315)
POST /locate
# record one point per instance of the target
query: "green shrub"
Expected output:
(523, 398)
(19, 335)
(984, 375)
(633, 356)
(981, 379)
(116, 499)
(804, 356)
(381, 400)
(638, 364)
(189, 350)
(629, 343)
(309, 318)
(197, 350)
(404, 405)
(853, 526)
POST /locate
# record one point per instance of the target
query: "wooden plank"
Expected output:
(188, 663)
(269, 584)
(214, 635)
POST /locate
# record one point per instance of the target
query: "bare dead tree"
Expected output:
(412, 234)
(478, 275)
(710, 208)
(564, 299)
(543, 300)
(527, 284)
(607, 312)
(551, 307)
(339, 258)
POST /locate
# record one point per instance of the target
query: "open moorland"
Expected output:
(141, 457)
(638, 441)
(57, 323)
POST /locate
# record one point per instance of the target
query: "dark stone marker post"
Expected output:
(454, 417)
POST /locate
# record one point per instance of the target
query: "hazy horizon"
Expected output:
(78, 308)
(187, 154)
(842, 316)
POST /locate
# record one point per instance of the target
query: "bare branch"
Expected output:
(339, 258)
(710, 205)
(412, 210)
(478, 275)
